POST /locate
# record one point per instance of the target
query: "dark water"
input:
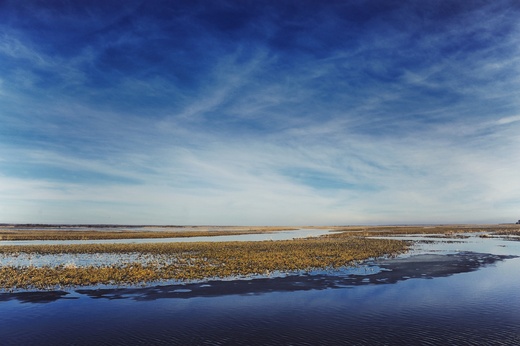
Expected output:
(438, 296)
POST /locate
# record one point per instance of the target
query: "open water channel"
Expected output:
(446, 291)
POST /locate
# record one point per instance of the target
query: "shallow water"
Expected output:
(458, 292)
(276, 235)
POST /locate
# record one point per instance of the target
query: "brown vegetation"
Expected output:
(22, 234)
(446, 230)
(194, 260)
(189, 261)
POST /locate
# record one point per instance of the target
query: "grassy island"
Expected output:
(191, 261)
(140, 263)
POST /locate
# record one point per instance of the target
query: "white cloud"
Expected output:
(508, 120)
(419, 142)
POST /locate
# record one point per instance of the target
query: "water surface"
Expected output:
(275, 235)
(458, 292)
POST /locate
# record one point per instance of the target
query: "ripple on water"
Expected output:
(474, 303)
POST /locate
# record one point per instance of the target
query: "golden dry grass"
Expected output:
(21, 234)
(442, 229)
(194, 260)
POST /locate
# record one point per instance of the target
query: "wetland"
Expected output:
(347, 285)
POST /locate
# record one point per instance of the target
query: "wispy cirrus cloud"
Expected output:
(255, 114)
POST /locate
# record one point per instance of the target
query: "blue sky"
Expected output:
(259, 112)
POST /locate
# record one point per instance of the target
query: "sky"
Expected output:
(259, 112)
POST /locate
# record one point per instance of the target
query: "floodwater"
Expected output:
(39, 260)
(446, 291)
(276, 235)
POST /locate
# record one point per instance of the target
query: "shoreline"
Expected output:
(188, 261)
(140, 263)
(17, 232)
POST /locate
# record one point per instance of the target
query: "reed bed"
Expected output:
(10, 235)
(447, 230)
(192, 261)
(144, 263)
(507, 232)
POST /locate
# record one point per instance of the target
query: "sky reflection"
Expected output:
(467, 306)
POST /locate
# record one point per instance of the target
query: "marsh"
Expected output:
(446, 289)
